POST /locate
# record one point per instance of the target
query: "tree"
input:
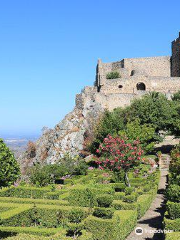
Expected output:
(10, 170)
(144, 133)
(154, 109)
(110, 123)
(119, 154)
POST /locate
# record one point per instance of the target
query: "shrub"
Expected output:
(173, 210)
(120, 205)
(130, 198)
(84, 197)
(145, 133)
(40, 176)
(129, 190)
(172, 236)
(29, 230)
(105, 213)
(24, 192)
(87, 196)
(173, 193)
(74, 229)
(113, 75)
(119, 187)
(143, 204)
(104, 200)
(119, 227)
(32, 201)
(10, 170)
(119, 196)
(76, 215)
(81, 168)
(147, 188)
(119, 153)
(172, 224)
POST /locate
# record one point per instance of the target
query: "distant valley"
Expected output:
(18, 145)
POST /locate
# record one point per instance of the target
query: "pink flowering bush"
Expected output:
(119, 154)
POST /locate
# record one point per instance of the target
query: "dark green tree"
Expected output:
(110, 123)
(9, 168)
(154, 109)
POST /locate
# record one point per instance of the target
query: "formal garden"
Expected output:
(101, 196)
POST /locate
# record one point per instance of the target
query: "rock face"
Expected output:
(68, 135)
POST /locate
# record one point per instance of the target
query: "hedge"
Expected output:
(85, 236)
(128, 220)
(32, 201)
(86, 196)
(172, 224)
(47, 215)
(173, 236)
(173, 210)
(26, 192)
(143, 204)
(119, 196)
(29, 230)
(120, 205)
(122, 223)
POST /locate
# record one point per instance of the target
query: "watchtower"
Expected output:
(175, 60)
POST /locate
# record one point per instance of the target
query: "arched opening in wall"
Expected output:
(141, 86)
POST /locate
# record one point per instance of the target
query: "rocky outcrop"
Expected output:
(68, 135)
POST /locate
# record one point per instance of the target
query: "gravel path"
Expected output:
(152, 220)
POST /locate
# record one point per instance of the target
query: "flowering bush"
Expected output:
(119, 154)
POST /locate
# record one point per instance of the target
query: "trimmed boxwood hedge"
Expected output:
(173, 210)
(20, 206)
(122, 223)
(120, 205)
(29, 230)
(48, 215)
(170, 224)
(86, 196)
(32, 201)
(143, 204)
(28, 192)
(173, 236)
(58, 236)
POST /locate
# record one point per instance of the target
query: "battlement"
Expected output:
(175, 68)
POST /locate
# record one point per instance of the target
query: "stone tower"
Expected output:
(175, 65)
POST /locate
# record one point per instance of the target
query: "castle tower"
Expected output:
(175, 61)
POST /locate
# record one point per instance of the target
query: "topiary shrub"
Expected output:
(105, 213)
(129, 190)
(113, 75)
(104, 200)
(147, 188)
(119, 187)
(76, 215)
(173, 210)
(173, 193)
(130, 198)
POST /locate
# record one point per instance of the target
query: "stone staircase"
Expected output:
(164, 162)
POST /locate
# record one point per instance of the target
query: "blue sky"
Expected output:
(49, 50)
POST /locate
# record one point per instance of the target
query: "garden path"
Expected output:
(152, 220)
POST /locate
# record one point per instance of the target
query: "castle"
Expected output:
(132, 78)
(136, 76)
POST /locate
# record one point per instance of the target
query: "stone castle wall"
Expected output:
(176, 57)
